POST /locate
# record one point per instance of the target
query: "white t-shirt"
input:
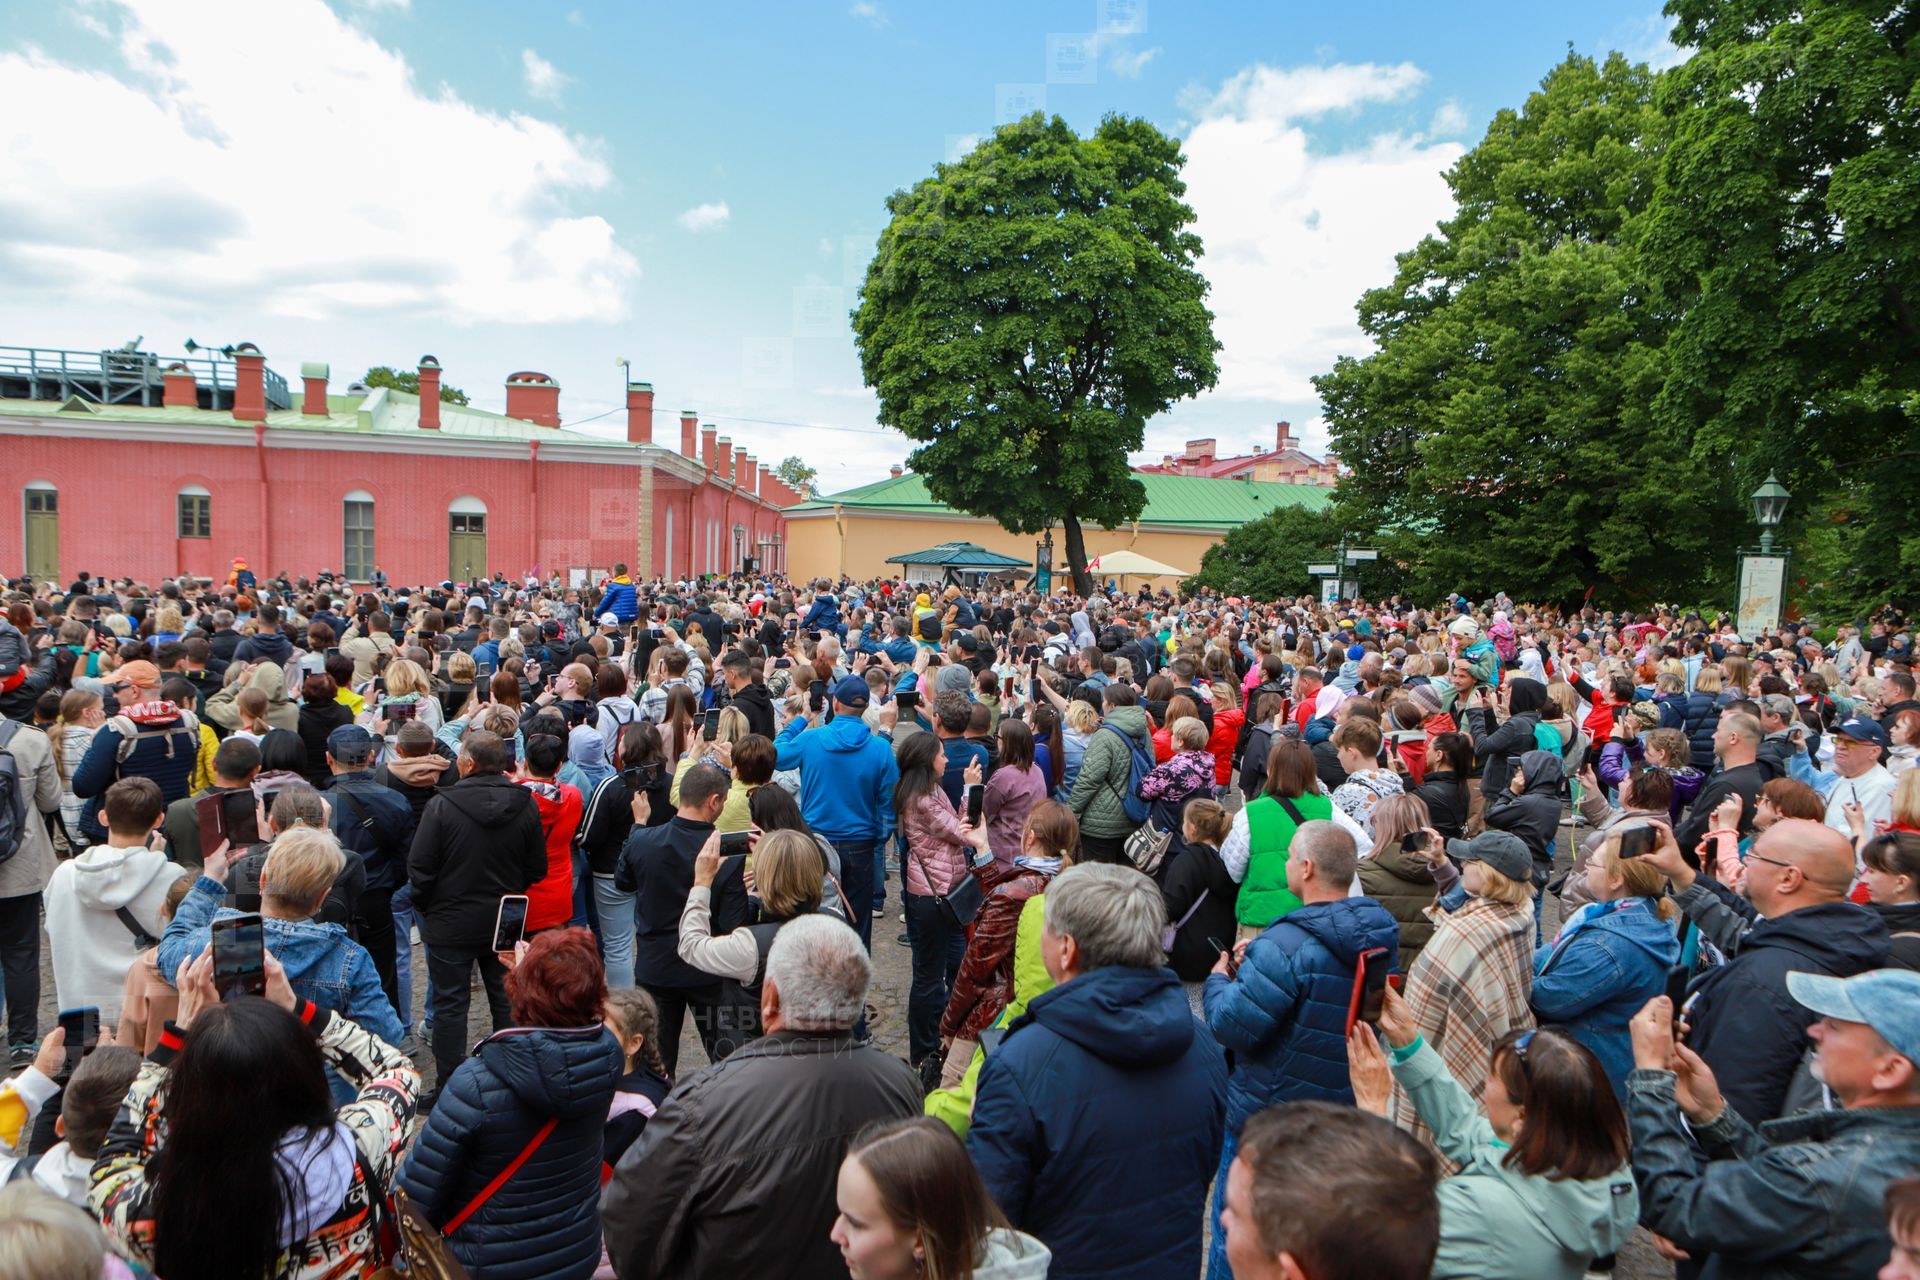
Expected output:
(1872, 791)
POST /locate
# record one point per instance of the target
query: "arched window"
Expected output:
(195, 506)
(356, 523)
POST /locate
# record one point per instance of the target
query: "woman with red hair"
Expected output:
(508, 1163)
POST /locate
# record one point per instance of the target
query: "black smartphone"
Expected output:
(1413, 842)
(1369, 988)
(239, 956)
(710, 724)
(268, 797)
(83, 1035)
(1033, 666)
(510, 926)
(976, 802)
(1638, 842)
(906, 701)
(1233, 961)
(817, 696)
(736, 842)
(239, 819)
(401, 711)
(782, 664)
(813, 635)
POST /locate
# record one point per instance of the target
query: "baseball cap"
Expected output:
(141, 673)
(1463, 626)
(1861, 729)
(1501, 850)
(850, 691)
(609, 620)
(350, 744)
(1355, 653)
(1888, 1000)
(968, 642)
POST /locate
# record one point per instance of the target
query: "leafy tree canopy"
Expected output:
(1784, 231)
(797, 474)
(1268, 558)
(409, 381)
(1500, 434)
(1028, 309)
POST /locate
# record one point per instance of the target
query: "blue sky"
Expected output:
(519, 186)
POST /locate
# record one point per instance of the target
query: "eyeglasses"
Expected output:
(1761, 857)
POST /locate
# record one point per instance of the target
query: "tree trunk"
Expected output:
(1077, 556)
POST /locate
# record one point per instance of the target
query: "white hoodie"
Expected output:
(92, 947)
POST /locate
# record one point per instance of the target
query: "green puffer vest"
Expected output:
(1264, 896)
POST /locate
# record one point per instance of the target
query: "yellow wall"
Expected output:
(859, 543)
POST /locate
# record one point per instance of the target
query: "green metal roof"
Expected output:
(959, 555)
(1171, 500)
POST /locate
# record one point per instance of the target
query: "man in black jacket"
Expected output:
(657, 865)
(746, 693)
(1794, 917)
(374, 823)
(478, 841)
(1737, 743)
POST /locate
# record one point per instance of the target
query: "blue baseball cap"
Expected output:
(850, 691)
(350, 744)
(1861, 729)
(1888, 1000)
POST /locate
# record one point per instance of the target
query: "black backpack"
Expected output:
(13, 796)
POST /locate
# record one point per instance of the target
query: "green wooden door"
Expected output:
(467, 546)
(43, 534)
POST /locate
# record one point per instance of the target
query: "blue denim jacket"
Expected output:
(323, 964)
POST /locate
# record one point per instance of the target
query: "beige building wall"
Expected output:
(857, 543)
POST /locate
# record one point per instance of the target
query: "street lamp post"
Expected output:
(1343, 562)
(1763, 571)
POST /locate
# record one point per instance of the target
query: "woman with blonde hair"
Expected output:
(913, 1207)
(408, 685)
(1081, 721)
(1611, 957)
(81, 715)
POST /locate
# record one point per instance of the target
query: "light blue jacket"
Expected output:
(1498, 1223)
(1611, 958)
(323, 964)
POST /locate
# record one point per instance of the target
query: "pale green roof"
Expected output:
(1171, 500)
(383, 412)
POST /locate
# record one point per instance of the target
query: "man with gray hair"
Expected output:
(1098, 1121)
(736, 1173)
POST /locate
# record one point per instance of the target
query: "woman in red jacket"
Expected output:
(1228, 719)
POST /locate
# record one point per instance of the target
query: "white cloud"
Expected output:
(1129, 65)
(869, 12)
(1649, 40)
(544, 80)
(381, 4)
(218, 207)
(1449, 120)
(1294, 234)
(1302, 93)
(705, 217)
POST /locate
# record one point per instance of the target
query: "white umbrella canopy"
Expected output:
(1131, 564)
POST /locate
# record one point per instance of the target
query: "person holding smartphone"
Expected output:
(1613, 954)
(1285, 1021)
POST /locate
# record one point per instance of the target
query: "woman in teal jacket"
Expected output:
(1544, 1186)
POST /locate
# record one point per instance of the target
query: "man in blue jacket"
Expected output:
(1097, 1123)
(1284, 1015)
(847, 775)
(619, 597)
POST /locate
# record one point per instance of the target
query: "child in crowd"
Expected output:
(252, 706)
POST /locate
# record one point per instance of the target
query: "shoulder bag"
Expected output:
(963, 904)
(411, 1246)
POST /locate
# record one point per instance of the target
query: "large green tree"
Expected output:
(409, 381)
(1785, 230)
(797, 475)
(1267, 558)
(1028, 309)
(1500, 434)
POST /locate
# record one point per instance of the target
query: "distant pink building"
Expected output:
(1283, 464)
(125, 463)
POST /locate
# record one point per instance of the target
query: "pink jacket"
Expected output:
(936, 845)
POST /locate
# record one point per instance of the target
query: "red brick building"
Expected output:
(1285, 463)
(123, 465)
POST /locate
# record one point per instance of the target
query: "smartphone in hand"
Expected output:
(510, 924)
(239, 956)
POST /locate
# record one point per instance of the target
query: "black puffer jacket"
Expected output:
(545, 1222)
(1701, 719)
(477, 841)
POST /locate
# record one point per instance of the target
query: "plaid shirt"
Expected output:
(1468, 988)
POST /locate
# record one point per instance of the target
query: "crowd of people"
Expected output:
(1237, 931)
